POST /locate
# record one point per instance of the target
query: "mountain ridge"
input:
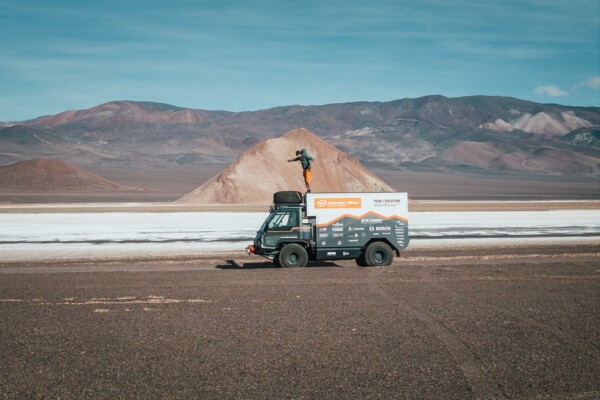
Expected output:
(425, 132)
(155, 108)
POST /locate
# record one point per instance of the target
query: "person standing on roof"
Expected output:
(305, 159)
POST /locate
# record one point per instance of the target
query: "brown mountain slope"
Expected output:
(121, 112)
(263, 169)
(51, 175)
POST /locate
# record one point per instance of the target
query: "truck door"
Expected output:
(280, 227)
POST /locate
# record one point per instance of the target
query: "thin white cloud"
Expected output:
(551, 90)
(593, 82)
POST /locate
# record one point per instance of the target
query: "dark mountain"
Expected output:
(480, 133)
(587, 136)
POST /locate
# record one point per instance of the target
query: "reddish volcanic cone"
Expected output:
(263, 169)
(51, 175)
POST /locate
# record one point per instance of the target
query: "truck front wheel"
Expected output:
(378, 254)
(293, 255)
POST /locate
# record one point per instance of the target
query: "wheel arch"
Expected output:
(302, 243)
(384, 240)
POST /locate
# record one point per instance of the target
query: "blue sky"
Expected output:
(250, 55)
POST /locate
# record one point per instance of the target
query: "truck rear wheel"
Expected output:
(378, 254)
(293, 255)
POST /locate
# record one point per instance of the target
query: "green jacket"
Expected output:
(304, 158)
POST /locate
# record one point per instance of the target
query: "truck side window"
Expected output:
(284, 219)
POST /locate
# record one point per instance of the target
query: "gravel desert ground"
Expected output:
(516, 321)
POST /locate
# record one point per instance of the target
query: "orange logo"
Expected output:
(328, 203)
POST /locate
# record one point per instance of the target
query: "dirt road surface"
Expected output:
(518, 322)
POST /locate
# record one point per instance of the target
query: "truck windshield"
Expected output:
(283, 219)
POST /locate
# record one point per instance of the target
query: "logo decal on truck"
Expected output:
(329, 202)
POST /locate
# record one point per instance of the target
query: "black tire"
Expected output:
(288, 197)
(293, 255)
(360, 261)
(378, 254)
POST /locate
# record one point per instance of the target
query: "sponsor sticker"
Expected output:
(380, 228)
(371, 221)
(387, 202)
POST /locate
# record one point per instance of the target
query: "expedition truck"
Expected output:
(367, 227)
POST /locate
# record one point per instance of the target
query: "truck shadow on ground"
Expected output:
(232, 264)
